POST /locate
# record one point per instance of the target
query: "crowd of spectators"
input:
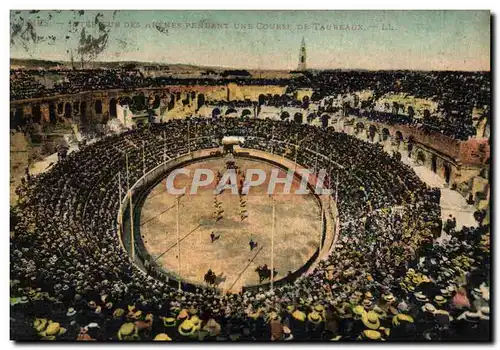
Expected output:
(386, 278)
(456, 92)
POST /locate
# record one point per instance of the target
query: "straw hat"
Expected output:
(299, 315)
(187, 328)
(440, 300)
(428, 307)
(315, 317)
(388, 297)
(92, 304)
(53, 329)
(421, 297)
(385, 331)
(401, 318)
(183, 314)
(369, 296)
(118, 313)
(358, 310)
(169, 322)
(367, 303)
(71, 312)
(40, 324)
(162, 337)
(469, 316)
(370, 320)
(371, 335)
(127, 331)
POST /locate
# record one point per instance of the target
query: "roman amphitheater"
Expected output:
(95, 229)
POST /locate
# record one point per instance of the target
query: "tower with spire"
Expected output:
(302, 56)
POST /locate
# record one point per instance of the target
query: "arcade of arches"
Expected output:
(441, 155)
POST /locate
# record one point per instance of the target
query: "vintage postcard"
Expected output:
(242, 176)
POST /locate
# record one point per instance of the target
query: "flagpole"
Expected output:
(126, 166)
(178, 245)
(120, 186)
(321, 227)
(272, 244)
(143, 159)
(189, 139)
(132, 245)
(164, 148)
(337, 189)
(296, 151)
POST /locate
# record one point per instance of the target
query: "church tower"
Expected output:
(302, 56)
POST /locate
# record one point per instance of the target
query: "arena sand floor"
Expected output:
(298, 227)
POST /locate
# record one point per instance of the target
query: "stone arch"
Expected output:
(246, 112)
(311, 117)
(359, 127)
(178, 96)
(171, 102)
(67, 110)
(421, 157)
(37, 113)
(60, 108)
(372, 132)
(52, 113)
(98, 106)
(398, 136)
(447, 172)
(411, 141)
(215, 112)
(112, 108)
(386, 134)
(18, 116)
(230, 110)
(83, 112)
(76, 108)
(298, 118)
(201, 100)
(285, 115)
(262, 99)
(325, 119)
(434, 163)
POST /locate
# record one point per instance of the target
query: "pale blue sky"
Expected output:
(428, 40)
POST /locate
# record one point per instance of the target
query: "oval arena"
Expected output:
(97, 238)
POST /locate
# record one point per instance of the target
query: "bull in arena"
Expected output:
(265, 273)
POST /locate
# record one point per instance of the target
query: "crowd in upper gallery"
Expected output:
(456, 93)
